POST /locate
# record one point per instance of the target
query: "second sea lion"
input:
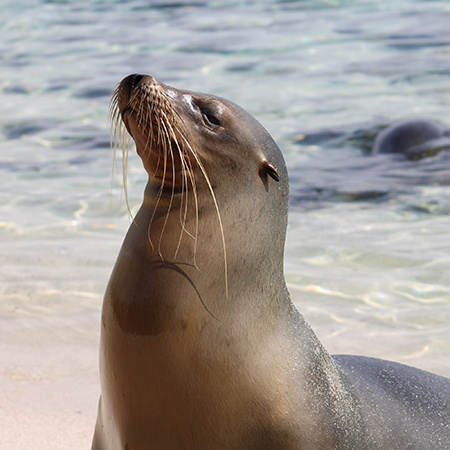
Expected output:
(416, 139)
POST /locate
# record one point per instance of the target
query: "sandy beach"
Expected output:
(50, 386)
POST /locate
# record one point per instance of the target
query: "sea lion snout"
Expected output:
(127, 87)
(132, 80)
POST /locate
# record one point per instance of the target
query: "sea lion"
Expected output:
(416, 139)
(201, 346)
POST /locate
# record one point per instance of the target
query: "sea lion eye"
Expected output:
(210, 114)
(213, 120)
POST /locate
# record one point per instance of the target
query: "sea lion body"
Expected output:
(402, 407)
(201, 346)
(416, 139)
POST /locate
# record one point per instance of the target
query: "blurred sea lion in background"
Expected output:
(416, 139)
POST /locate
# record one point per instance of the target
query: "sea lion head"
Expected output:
(170, 123)
(208, 159)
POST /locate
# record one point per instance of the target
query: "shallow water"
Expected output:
(367, 257)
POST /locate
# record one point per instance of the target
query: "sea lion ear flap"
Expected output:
(266, 169)
(269, 169)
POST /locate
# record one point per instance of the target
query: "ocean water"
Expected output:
(368, 249)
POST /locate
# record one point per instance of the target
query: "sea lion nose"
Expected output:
(133, 80)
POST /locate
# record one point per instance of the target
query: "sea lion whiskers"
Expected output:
(120, 135)
(170, 134)
(116, 123)
(162, 124)
(144, 122)
(113, 113)
(144, 116)
(159, 195)
(185, 170)
(165, 138)
(167, 127)
(188, 172)
(216, 206)
(179, 126)
(167, 151)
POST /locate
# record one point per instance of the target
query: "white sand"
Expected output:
(49, 386)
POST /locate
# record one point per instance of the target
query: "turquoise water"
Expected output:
(367, 258)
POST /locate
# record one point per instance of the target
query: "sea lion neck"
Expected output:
(160, 243)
